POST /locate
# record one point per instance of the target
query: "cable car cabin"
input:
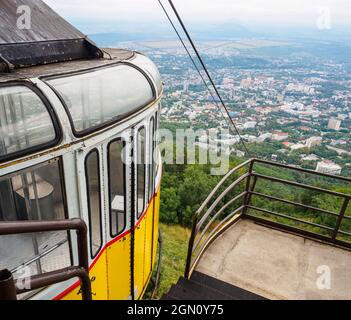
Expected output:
(77, 140)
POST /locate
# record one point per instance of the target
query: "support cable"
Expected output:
(203, 66)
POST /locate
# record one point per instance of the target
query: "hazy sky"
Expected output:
(282, 13)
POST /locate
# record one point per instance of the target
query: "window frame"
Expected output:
(94, 150)
(137, 174)
(110, 187)
(157, 126)
(152, 125)
(52, 114)
(65, 202)
(115, 120)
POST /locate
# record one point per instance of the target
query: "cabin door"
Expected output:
(91, 187)
(141, 205)
(118, 194)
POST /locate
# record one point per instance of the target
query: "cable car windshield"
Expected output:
(98, 97)
(25, 122)
(145, 63)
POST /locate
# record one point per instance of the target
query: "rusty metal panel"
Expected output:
(45, 24)
(31, 34)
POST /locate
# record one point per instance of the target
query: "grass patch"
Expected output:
(175, 249)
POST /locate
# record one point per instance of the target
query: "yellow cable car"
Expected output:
(78, 140)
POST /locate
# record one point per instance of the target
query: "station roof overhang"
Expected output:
(31, 33)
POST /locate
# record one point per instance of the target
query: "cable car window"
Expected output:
(94, 201)
(141, 168)
(152, 160)
(36, 193)
(117, 187)
(156, 159)
(99, 97)
(25, 122)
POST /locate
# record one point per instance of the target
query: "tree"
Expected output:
(193, 191)
(169, 206)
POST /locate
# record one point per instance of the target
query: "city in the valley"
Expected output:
(290, 100)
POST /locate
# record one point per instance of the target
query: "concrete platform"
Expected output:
(278, 265)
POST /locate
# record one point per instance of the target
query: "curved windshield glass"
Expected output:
(99, 97)
(25, 122)
(145, 63)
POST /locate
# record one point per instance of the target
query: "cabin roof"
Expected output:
(45, 24)
(31, 33)
(111, 57)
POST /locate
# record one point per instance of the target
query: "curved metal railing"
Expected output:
(206, 224)
(233, 199)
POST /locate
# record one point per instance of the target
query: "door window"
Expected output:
(141, 172)
(152, 159)
(94, 201)
(117, 187)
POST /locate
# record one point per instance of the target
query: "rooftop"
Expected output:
(28, 39)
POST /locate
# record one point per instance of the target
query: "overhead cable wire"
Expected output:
(191, 58)
(203, 66)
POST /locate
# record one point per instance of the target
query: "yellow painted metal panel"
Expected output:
(156, 226)
(114, 263)
(119, 269)
(98, 274)
(98, 281)
(148, 244)
(139, 248)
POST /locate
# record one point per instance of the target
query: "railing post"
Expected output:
(341, 217)
(190, 248)
(247, 198)
(82, 235)
(7, 286)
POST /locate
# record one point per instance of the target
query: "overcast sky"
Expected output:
(282, 13)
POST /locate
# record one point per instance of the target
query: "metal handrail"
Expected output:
(294, 168)
(221, 196)
(290, 218)
(229, 174)
(199, 219)
(54, 277)
(47, 279)
(197, 224)
(301, 185)
(304, 206)
(214, 218)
